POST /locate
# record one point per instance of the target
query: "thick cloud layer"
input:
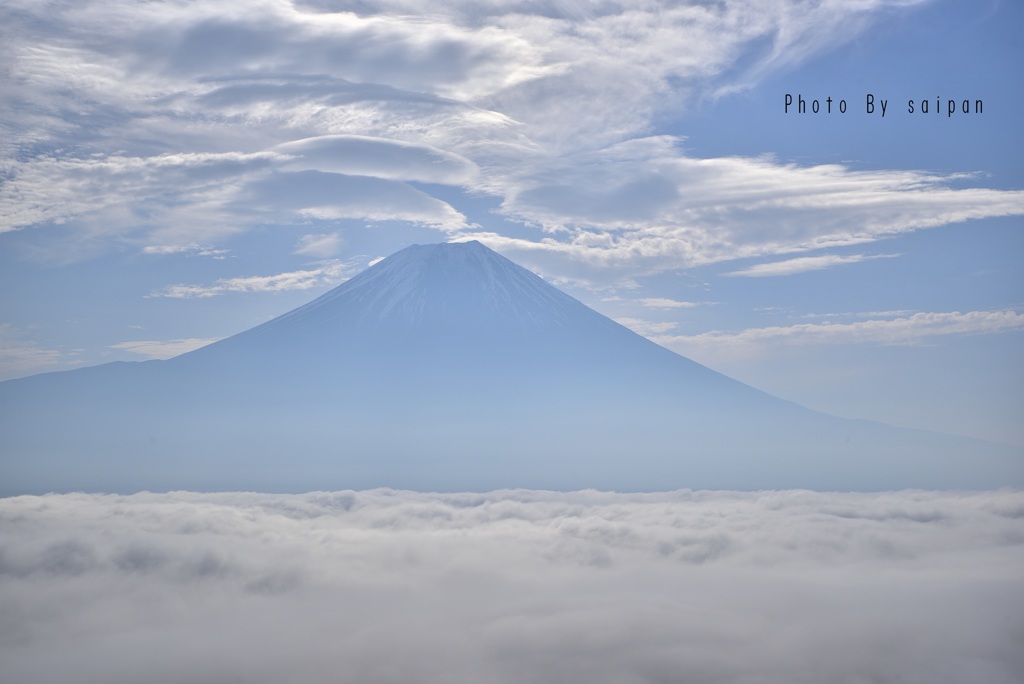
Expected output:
(513, 586)
(549, 109)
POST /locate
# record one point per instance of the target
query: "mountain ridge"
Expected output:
(450, 367)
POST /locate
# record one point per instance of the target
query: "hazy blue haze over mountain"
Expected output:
(448, 367)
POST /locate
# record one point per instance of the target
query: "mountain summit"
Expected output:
(461, 287)
(459, 300)
(449, 367)
(450, 312)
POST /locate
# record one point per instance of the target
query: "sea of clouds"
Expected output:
(514, 586)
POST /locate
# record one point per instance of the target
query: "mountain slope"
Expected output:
(449, 367)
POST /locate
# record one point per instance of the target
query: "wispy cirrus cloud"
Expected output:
(330, 273)
(377, 157)
(804, 264)
(162, 349)
(917, 328)
(647, 328)
(281, 197)
(197, 199)
(645, 206)
(666, 303)
(190, 249)
(163, 204)
(321, 245)
(20, 355)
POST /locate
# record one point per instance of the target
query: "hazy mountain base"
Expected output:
(789, 587)
(311, 433)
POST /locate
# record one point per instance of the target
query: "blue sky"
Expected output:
(175, 172)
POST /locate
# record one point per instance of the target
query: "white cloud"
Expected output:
(156, 349)
(804, 264)
(181, 200)
(283, 197)
(914, 329)
(191, 249)
(665, 303)
(644, 205)
(647, 328)
(22, 356)
(196, 199)
(185, 113)
(377, 157)
(322, 245)
(897, 313)
(789, 586)
(330, 273)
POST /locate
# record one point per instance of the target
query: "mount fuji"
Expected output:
(448, 367)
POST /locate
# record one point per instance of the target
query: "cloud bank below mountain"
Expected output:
(508, 586)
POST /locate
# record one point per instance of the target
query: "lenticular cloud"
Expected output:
(513, 586)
